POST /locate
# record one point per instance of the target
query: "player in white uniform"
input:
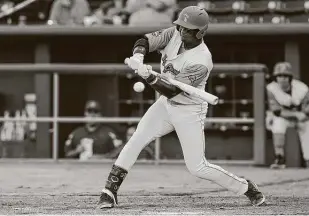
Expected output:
(186, 58)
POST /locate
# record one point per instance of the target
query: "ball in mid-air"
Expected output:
(139, 87)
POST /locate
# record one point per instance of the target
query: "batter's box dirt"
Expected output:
(74, 189)
(131, 205)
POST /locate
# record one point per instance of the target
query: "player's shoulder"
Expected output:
(202, 53)
(271, 84)
(105, 129)
(272, 87)
(78, 131)
(170, 31)
(201, 56)
(300, 84)
(76, 134)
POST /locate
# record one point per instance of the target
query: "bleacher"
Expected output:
(262, 11)
(220, 11)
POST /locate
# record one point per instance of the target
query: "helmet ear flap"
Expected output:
(202, 32)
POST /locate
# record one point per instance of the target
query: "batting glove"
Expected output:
(144, 71)
(135, 61)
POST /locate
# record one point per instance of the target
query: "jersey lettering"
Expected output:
(164, 60)
(169, 68)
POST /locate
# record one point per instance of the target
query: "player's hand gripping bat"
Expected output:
(205, 96)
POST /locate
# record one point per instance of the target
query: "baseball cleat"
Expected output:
(279, 163)
(277, 166)
(107, 199)
(255, 196)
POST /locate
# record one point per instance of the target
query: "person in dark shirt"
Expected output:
(92, 139)
(147, 153)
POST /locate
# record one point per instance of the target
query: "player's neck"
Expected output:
(91, 127)
(192, 44)
(286, 88)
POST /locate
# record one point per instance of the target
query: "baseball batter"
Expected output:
(186, 58)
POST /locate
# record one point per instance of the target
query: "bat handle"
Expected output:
(215, 102)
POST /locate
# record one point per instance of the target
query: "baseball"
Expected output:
(139, 87)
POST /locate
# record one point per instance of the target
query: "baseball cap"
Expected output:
(92, 105)
(283, 68)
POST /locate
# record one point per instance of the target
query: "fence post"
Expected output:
(55, 115)
(42, 90)
(259, 137)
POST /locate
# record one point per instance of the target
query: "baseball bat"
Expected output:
(205, 96)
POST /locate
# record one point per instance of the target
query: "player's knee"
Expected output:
(278, 130)
(279, 125)
(303, 126)
(193, 171)
(199, 169)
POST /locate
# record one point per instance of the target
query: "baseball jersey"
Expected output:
(100, 141)
(296, 99)
(191, 66)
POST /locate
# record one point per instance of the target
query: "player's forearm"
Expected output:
(285, 113)
(162, 86)
(72, 153)
(75, 152)
(141, 46)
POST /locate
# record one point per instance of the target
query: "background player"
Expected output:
(289, 105)
(92, 139)
(186, 58)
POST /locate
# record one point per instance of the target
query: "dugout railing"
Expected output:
(256, 70)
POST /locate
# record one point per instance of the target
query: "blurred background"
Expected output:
(103, 32)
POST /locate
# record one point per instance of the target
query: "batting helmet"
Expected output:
(283, 68)
(194, 17)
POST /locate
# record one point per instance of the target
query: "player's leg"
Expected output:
(155, 123)
(303, 131)
(279, 127)
(189, 126)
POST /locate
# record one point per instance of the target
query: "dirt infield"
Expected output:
(73, 188)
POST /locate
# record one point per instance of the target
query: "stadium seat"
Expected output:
(298, 18)
(273, 18)
(220, 11)
(183, 4)
(292, 7)
(217, 7)
(230, 18)
(253, 7)
(256, 18)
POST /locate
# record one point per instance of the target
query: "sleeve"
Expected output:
(159, 39)
(305, 104)
(110, 143)
(55, 11)
(193, 75)
(273, 104)
(84, 11)
(71, 142)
